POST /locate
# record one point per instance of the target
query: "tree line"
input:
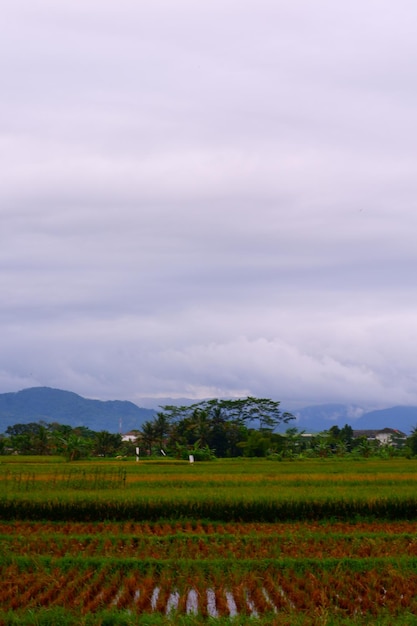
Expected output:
(42, 438)
(208, 429)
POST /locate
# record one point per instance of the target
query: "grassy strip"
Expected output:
(188, 567)
(58, 616)
(216, 510)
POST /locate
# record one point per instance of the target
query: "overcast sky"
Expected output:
(210, 198)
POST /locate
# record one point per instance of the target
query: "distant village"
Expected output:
(156, 440)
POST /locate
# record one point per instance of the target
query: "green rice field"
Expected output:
(321, 541)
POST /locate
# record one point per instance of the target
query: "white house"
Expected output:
(130, 436)
(385, 436)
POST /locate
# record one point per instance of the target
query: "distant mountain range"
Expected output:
(324, 416)
(321, 417)
(66, 407)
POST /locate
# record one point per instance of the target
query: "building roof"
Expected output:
(380, 431)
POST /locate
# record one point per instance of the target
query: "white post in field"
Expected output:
(137, 455)
(191, 458)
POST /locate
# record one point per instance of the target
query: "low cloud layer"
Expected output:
(203, 199)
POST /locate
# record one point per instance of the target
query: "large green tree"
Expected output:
(223, 425)
(31, 438)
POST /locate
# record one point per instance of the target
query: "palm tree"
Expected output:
(148, 435)
(162, 428)
(75, 447)
(200, 426)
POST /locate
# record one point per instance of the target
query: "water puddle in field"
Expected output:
(250, 604)
(231, 604)
(154, 598)
(117, 597)
(269, 600)
(192, 602)
(286, 598)
(211, 603)
(173, 601)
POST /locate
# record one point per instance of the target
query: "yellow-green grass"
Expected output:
(228, 489)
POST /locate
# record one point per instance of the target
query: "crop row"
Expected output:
(297, 529)
(210, 546)
(343, 591)
(262, 510)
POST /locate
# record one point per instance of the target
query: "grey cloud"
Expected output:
(209, 199)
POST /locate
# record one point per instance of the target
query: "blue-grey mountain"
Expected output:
(324, 416)
(402, 418)
(66, 407)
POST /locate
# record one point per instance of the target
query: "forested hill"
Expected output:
(66, 407)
